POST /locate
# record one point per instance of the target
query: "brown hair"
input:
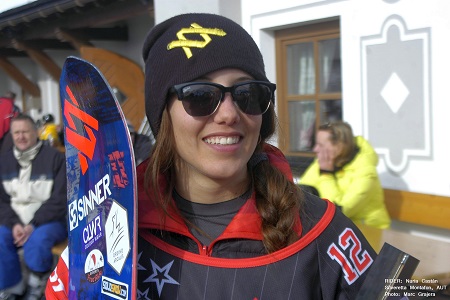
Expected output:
(278, 200)
(341, 134)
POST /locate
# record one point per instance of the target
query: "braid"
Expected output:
(278, 201)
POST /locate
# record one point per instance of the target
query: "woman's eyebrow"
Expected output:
(242, 78)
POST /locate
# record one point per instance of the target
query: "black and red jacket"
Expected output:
(330, 260)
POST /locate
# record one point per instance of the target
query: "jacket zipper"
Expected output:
(205, 250)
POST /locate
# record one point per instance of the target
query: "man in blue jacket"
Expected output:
(33, 209)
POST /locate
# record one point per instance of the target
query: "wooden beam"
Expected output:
(423, 209)
(40, 57)
(55, 44)
(76, 40)
(13, 72)
(94, 17)
(116, 33)
(11, 52)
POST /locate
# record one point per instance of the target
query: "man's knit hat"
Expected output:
(186, 47)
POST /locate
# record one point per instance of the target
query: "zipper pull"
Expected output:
(205, 250)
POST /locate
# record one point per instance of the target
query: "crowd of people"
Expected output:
(215, 198)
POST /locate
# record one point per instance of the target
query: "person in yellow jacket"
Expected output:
(49, 131)
(345, 173)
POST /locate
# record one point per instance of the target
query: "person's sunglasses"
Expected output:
(203, 98)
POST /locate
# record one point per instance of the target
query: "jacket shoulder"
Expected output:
(312, 211)
(366, 153)
(50, 152)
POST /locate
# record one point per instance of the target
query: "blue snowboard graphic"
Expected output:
(101, 187)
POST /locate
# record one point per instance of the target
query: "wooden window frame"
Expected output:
(307, 33)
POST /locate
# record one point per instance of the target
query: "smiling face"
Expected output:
(214, 150)
(24, 134)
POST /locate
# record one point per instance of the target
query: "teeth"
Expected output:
(222, 140)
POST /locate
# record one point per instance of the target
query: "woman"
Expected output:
(345, 173)
(219, 214)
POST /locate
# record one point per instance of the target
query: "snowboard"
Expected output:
(101, 186)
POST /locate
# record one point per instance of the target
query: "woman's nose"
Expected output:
(227, 112)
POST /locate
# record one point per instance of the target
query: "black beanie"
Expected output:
(186, 47)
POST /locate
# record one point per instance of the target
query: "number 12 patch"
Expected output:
(359, 260)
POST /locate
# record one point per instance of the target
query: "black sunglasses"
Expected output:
(203, 98)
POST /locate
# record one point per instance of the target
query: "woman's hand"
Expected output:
(326, 158)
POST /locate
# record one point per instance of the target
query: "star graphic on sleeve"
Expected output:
(161, 276)
(142, 295)
(139, 266)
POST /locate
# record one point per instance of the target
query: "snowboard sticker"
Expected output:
(101, 186)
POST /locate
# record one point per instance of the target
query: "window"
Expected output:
(309, 91)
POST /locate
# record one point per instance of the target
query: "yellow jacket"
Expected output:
(49, 132)
(356, 187)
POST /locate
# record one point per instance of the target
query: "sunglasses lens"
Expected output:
(253, 98)
(200, 100)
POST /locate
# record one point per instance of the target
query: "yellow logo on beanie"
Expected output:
(186, 44)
